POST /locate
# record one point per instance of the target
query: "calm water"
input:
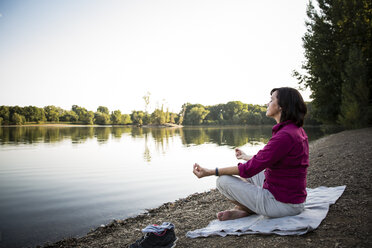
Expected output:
(58, 182)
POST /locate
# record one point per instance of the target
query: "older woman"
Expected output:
(273, 182)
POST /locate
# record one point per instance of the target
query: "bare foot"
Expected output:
(231, 214)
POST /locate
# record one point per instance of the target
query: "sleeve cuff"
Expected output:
(241, 170)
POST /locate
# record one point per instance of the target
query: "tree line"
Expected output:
(231, 113)
(338, 61)
(15, 115)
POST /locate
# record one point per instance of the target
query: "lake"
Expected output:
(58, 182)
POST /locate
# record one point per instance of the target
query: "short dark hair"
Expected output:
(292, 105)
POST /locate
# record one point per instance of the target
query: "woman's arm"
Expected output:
(233, 170)
(204, 172)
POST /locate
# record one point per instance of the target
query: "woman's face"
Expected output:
(273, 108)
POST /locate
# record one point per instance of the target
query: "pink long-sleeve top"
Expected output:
(285, 158)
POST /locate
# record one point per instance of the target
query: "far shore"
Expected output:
(168, 125)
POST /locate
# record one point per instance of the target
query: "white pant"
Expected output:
(249, 192)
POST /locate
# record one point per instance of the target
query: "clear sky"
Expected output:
(111, 53)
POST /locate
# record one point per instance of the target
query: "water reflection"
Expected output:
(146, 153)
(230, 136)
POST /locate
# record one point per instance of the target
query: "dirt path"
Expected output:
(339, 159)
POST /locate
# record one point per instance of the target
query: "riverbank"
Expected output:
(340, 159)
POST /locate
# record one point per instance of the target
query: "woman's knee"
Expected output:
(222, 181)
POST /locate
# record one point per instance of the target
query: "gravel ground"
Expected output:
(339, 159)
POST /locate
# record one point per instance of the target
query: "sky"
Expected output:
(112, 53)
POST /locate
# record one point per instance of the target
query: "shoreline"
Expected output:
(169, 125)
(338, 159)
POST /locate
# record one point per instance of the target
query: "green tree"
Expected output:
(172, 118)
(216, 113)
(158, 117)
(103, 110)
(146, 119)
(232, 110)
(354, 109)
(167, 116)
(116, 117)
(5, 114)
(196, 115)
(33, 114)
(125, 119)
(101, 118)
(137, 117)
(69, 116)
(85, 116)
(52, 113)
(309, 118)
(76, 109)
(186, 110)
(182, 114)
(338, 61)
(18, 119)
(254, 118)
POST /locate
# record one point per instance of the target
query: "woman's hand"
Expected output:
(241, 155)
(202, 172)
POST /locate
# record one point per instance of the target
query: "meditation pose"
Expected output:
(273, 182)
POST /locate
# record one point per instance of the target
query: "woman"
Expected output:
(273, 182)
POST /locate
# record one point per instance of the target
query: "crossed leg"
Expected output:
(239, 211)
(235, 188)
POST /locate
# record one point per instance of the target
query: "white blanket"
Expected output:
(316, 208)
